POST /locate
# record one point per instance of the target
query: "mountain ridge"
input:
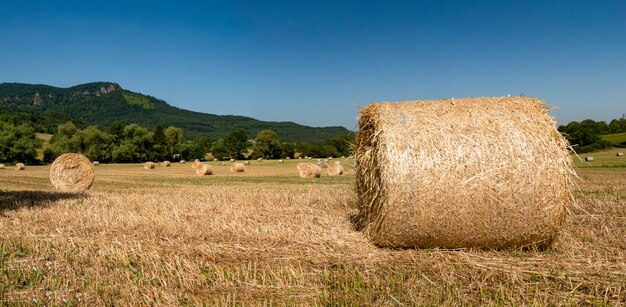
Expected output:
(100, 103)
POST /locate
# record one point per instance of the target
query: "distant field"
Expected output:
(46, 139)
(615, 138)
(606, 158)
(168, 237)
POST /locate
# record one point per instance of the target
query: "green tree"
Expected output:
(18, 143)
(236, 143)
(173, 140)
(266, 145)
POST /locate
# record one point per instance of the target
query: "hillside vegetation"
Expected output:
(102, 103)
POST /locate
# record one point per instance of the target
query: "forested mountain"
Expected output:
(101, 103)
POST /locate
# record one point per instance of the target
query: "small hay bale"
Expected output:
(237, 167)
(338, 162)
(95, 163)
(280, 161)
(450, 173)
(309, 170)
(182, 162)
(232, 160)
(72, 172)
(259, 160)
(619, 154)
(334, 169)
(1, 166)
(148, 165)
(215, 160)
(222, 164)
(288, 158)
(309, 158)
(246, 162)
(165, 163)
(204, 170)
(318, 160)
(589, 159)
(20, 167)
(196, 164)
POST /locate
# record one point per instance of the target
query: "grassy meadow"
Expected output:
(168, 237)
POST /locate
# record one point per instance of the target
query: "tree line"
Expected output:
(585, 135)
(133, 143)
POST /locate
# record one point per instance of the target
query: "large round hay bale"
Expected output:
(309, 170)
(334, 169)
(20, 166)
(237, 167)
(72, 172)
(148, 165)
(204, 170)
(476, 172)
(165, 163)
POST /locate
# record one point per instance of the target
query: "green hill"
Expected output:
(615, 138)
(101, 103)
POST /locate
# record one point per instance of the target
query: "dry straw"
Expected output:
(280, 161)
(20, 167)
(1, 166)
(148, 165)
(165, 163)
(72, 172)
(196, 164)
(237, 167)
(334, 169)
(203, 170)
(475, 172)
(619, 154)
(182, 161)
(588, 158)
(95, 163)
(309, 170)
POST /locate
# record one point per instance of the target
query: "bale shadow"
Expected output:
(15, 200)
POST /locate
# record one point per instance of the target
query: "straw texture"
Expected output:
(476, 172)
(237, 167)
(72, 172)
(588, 158)
(20, 166)
(165, 163)
(148, 165)
(203, 170)
(309, 170)
(1, 166)
(334, 169)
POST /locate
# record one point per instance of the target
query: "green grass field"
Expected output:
(615, 138)
(606, 158)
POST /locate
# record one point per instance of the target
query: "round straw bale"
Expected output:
(246, 162)
(288, 158)
(148, 165)
(204, 170)
(259, 160)
(182, 161)
(309, 170)
(165, 163)
(280, 161)
(196, 164)
(215, 160)
(95, 163)
(222, 164)
(334, 169)
(20, 167)
(589, 159)
(237, 167)
(619, 154)
(1, 166)
(72, 172)
(309, 158)
(337, 162)
(232, 160)
(451, 173)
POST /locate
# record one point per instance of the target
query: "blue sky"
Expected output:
(316, 62)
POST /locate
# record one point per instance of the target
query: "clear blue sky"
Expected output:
(315, 62)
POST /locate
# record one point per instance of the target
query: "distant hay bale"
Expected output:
(196, 164)
(288, 158)
(148, 165)
(334, 169)
(450, 173)
(309, 170)
(20, 167)
(215, 160)
(280, 161)
(95, 163)
(237, 167)
(232, 160)
(72, 172)
(338, 162)
(259, 160)
(204, 170)
(619, 154)
(589, 159)
(309, 158)
(246, 162)
(1, 166)
(222, 164)
(182, 161)
(318, 160)
(165, 163)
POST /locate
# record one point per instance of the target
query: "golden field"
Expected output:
(168, 237)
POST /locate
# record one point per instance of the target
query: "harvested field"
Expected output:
(169, 237)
